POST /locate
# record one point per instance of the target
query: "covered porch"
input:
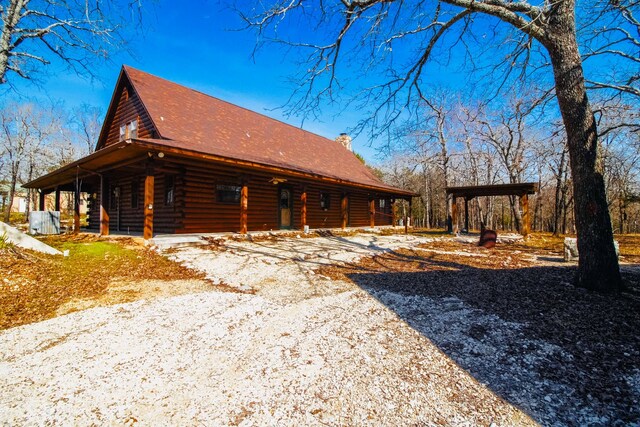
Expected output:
(145, 174)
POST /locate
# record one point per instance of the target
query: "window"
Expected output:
(129, 130)
(169, 190)
(228, 193)
(135, 194)
(382, 203)
(133, 129)
(325, 201)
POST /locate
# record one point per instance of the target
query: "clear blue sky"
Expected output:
(196, 46)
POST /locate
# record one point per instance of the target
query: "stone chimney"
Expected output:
(344, 140)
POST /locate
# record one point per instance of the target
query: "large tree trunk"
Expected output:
(597, 264)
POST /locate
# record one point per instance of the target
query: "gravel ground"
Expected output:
(288, 345)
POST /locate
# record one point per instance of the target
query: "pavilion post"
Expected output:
(149, 196)
(408, 217)
(466, 214)
(244, 207)
(303, 208)
(449, 216)
(454, 213)
(372, 212)
(526, 220)
(394, 210)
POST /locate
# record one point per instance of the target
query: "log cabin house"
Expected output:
(170, 159)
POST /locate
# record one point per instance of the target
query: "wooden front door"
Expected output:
(285, 208)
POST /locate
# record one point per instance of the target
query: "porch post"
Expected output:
(454, 213)
(41, 200)
(149, 183)
(372, 212)
(76, 209)
(57, 201)
(244, 207)
(104, 214)
(526, 221)
(303, 208)
(343, 208)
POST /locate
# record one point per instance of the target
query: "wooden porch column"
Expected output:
(343, 209)
(244, 207)
(104, 214)
(372, 212)
(76, 209)
(57, 201)
(454, 213)
(526, 220)
(149, 184)
(303, 208)
(466, 214)
(41, 200)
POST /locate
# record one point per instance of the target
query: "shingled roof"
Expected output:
(190, 120)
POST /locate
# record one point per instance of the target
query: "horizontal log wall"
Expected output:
(197, 210)
(203, 213)
(128, 108)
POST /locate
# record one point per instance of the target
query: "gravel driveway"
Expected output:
(279, 344)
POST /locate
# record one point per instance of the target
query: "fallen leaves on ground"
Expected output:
(34, 286)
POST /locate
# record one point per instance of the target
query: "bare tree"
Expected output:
(33, 34)
(87, 124)
(616, 38)
(382, 27)
(24, 131)
(427, 141)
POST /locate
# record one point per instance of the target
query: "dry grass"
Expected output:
(546, 242)
(36, 287)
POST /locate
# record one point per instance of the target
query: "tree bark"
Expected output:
(597, 265)
(15, 167)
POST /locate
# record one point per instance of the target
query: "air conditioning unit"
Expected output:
(44, 222)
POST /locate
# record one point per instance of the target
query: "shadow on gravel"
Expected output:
(563, 355)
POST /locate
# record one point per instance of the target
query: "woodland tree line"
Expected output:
(457, 143)
(36, 139)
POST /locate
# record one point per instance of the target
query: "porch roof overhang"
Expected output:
(136, 150)
(94, 164)
(469, 192)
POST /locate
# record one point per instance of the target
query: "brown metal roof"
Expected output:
(200, 123)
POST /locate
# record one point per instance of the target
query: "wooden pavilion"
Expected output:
(470, 192)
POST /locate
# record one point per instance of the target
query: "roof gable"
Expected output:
(198, 122)
(125, 106)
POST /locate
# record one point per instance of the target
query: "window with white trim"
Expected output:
(129, 130)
